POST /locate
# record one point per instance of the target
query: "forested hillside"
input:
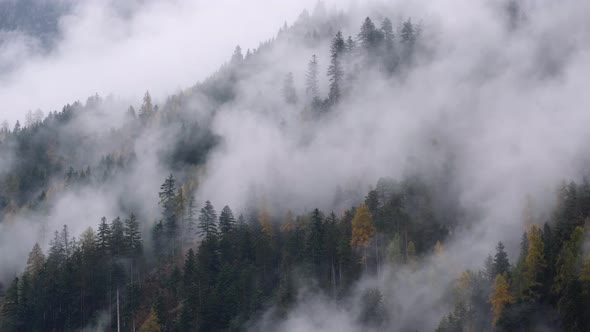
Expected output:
(37, 18)
(345, 175)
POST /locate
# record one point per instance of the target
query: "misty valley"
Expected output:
(369, 166)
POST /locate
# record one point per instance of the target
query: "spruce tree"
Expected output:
(289, 92)
(227, 222)
(169, 203)
(117, 241)
(335, 71)
(208, 222)
(103, 236)
(501, 263)
(312, 90)
(133, 241)
(389, 55)
(190, 223)
(146, 111)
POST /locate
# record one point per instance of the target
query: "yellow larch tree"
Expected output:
(534, 262)
(499, 297)
(362, 227)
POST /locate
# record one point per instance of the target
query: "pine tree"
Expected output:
(408, 33)
(289, 91)
(35, 261)
(103, 236)
(158, 238)
(227, 223)
(237, 57)
(501, 263)
(335, 71)
(57, 252)
(408, 36)
(534, 262)
(389, 54)
(17, 127)
(569, 261)
(190, 223)
(169, 203)
(367, 37)
(208, 222)
(312, 90)
(146, 111)
(133, 241)
(316, 250)
(117, 241)
(10, 309)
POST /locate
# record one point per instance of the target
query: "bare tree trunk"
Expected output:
(333, 279)
(118, 316)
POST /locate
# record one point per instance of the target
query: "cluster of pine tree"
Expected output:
(373, 48)
(78, 278)
(547, 287)
(239, 266)
(210, 271)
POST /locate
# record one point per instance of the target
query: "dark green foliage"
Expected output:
(335, 71)
(208, 222)
(312, 90)
(241, 268)
(501, 263)
(170, 225)
(133, 240)
(373, 312)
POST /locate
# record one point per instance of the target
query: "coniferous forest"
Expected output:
(306, 185)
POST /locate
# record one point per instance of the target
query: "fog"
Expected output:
(503, 106)
(128, 47)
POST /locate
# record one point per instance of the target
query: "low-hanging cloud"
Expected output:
(502, 105)
(127, 47)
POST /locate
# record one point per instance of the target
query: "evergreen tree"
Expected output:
(312, 90)
(35, 261)
(335, 71)
(569, 261)
(227, 223)
(501, 263)
(316, 250)
(534, 263)
(146, 111)
(133, 241)
(408, 37)
(350, 45)
(117, 241)
(237, 57)
(208, 222)
(370, 39)
(190, 224)
(169, 203)
(158, 238)
(289, 91)
(103, 236)
(389, 53)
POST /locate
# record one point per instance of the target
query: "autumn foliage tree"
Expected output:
(362, 229)
(500, 297)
